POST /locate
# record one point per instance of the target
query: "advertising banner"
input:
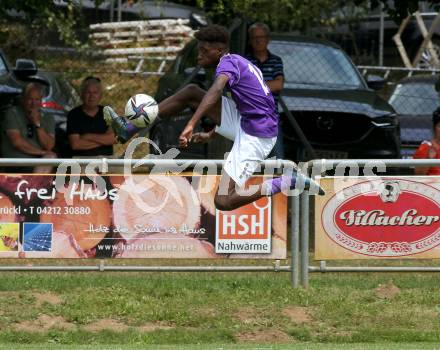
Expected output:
(135, 216)
(386, 217)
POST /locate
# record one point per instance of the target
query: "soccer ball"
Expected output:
(141, 110)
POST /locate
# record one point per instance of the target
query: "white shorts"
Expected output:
(248, 151)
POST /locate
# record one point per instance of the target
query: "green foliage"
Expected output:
(287, 15)
(281, 15)
(41, 16)
(65, 23)
(14, 40)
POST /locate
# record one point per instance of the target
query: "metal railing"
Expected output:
(300, 229)
(387, 70)
(169, 164)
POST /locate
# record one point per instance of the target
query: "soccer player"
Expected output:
(249, 119)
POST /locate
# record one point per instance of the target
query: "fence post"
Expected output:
(294, 246)
(304, 223)
(119, 10)
(112, 10)
(381, 34)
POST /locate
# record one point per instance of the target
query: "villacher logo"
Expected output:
(391, 218)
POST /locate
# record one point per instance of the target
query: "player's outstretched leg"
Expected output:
(230, 199)
(190, 96)
(121, 127)
(285, 183)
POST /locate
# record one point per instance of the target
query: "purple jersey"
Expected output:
(252, 96)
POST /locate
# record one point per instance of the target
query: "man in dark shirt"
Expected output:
(272, 68)
(88, 133)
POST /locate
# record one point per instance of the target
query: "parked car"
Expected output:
(59, 98)
(415, 99)
(339, 112)
(12, 80)
(340, 115)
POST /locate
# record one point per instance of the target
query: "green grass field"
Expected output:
(298, 346)
(104, 310)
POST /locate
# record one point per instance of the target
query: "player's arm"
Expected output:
(277, 84)
(203, 137)
(209, 100)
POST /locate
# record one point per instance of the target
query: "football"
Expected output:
(141, 110)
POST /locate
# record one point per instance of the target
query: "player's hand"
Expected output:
(186, 136)
(201, 137)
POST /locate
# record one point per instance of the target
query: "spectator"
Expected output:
(272, 68)
(430, 149)
(27, 131)
(87, 131)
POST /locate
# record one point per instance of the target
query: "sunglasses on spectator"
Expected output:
(30, 131)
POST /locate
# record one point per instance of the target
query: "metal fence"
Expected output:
(170, 164)
(301, 228)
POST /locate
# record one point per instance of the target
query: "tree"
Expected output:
(281, 15)
(287, 15)
(43, 15)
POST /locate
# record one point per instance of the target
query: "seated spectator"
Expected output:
(430, 149)
(27, 132)
(87, 131)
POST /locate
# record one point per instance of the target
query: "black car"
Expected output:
(340, 115)
(415, 99)
(12, 80)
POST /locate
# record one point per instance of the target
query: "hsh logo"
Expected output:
(252, 221)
